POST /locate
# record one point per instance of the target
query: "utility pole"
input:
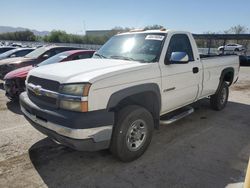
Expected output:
(84, 28)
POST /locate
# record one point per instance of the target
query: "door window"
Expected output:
(179, 43)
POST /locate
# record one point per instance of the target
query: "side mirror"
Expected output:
(13, 55)
(45, 56)
(179, 58)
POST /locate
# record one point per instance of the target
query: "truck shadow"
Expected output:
(197, 151)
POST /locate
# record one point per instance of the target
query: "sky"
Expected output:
(76, 16)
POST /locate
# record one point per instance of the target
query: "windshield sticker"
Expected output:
(154, 37)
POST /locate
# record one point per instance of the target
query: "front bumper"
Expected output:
(81, 131)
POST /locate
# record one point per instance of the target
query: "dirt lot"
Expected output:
(206, 149)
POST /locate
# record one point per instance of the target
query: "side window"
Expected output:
(22, 53)
(82, 56)
(58, 50)
(179, 43)
(52, 52)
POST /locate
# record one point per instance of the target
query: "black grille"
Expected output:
(45, 83)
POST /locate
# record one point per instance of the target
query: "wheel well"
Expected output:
(148, 100)
(228, 77)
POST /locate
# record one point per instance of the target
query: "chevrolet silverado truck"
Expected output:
(134, 83)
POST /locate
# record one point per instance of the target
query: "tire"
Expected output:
(13, 98)
(132, 133)
(219, 100)
(16, 87)
(236, 50)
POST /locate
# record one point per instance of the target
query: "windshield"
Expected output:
(8, 53)
(55, 59)
(36, 53)
(144, 47)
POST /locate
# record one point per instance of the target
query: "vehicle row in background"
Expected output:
(33, 58)
(5, 49)
(18, 52)
(15, 80)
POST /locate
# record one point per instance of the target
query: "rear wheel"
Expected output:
(132, 133)
(219, 100)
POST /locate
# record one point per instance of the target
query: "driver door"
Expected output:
(181, 82)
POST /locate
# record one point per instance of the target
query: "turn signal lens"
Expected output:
(84, 106)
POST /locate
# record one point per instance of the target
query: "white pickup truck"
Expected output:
(118, 97)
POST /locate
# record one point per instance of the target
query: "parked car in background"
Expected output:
(232, 48)
(33, 58)
(14, 81)
(18, 52)
(244, 60)
(17, 45)
(5, 49)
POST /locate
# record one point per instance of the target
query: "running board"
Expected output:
(177, 115)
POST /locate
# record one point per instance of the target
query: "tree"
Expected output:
(57, 36)
(238, 29)
(19, 36)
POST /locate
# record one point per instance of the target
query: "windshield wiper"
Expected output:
(128, 58)
(100, 55)
(122, 57)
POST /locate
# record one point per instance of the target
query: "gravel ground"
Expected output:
(205, 149)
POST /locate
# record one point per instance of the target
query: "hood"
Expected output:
(85, 70)
(15, 60)
(19, 73)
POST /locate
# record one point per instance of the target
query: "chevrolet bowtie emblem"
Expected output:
(37, 90)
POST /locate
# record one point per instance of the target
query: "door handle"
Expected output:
(195, 70)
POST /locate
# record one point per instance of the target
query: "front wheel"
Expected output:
(132, 133)
(13, 88)
(219, 100)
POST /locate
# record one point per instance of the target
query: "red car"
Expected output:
(15, 80)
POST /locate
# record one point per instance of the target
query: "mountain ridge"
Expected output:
(5, 29)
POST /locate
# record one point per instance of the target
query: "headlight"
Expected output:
(74, 89)
(75, 97)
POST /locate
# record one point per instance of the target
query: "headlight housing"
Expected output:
(74, 97)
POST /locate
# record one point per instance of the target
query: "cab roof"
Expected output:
(137, 31)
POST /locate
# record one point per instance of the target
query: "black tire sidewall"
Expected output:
(215, 99)
(125, 118)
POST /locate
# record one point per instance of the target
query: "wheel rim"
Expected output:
(223, 96)
(136, 135)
